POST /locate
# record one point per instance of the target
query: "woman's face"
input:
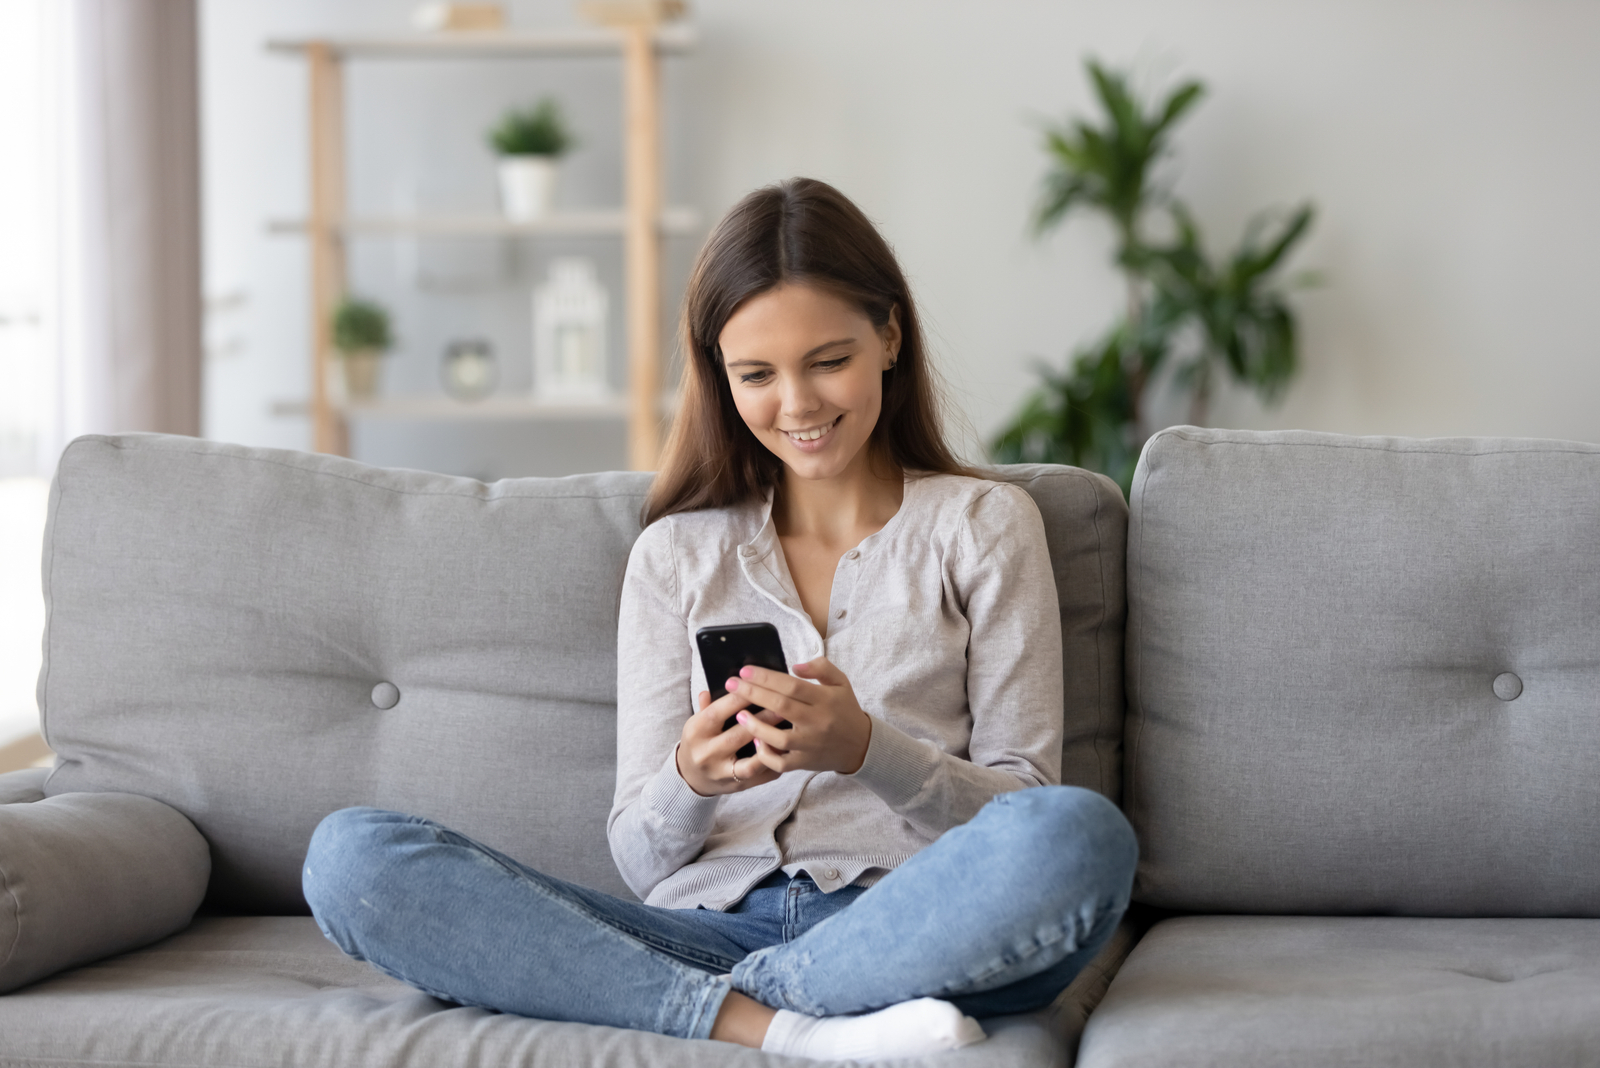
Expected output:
(806, 371)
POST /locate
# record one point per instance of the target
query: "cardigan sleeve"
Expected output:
(657, 823)
(1005, 587)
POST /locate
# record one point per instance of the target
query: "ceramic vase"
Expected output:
(361, 369)
(527, 186)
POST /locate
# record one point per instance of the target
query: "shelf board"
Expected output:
(579, 41)
(432, 406)
(673, 221)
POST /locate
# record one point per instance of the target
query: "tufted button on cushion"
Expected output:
(386, 695)
(1507, 686)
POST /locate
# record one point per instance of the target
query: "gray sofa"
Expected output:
(1358, 744)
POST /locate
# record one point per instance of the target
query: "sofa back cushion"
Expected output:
(1363, 674)
(259, 637)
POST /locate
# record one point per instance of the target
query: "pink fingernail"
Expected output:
(732, 686)
(743, 717)
(746, 673)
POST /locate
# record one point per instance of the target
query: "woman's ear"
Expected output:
(891, 336)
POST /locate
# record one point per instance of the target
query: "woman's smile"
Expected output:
(811, 439)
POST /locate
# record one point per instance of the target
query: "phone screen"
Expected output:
(724, 650)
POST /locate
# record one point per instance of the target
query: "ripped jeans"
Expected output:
(996, 916)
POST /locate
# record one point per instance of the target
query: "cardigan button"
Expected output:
(385, 695)
(852, 554)
(1507, 686)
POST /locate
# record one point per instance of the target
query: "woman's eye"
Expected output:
(754, 377)
(831, 365)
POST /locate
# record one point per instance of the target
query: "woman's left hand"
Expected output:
(828, 732)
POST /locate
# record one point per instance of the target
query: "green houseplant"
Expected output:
(1183, 310)
(529, 142)
(361, 334)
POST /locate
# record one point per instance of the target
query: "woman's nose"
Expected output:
(799, 399)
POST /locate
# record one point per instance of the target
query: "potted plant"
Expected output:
(361, 335)
(1187, 314)
(530, 141)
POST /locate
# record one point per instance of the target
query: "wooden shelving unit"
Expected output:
(638, 37)
(673, 221)
(440, 408)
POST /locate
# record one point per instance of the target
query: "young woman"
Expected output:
(898, 857)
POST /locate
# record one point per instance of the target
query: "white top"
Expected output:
(945, 622)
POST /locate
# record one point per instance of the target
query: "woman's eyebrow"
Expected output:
(829, 345)
(820, 348)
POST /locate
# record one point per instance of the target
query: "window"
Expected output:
(28, 365)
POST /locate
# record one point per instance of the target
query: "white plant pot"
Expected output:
(361, 371)
(527, 186)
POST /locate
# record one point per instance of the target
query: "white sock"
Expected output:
(909, 1029)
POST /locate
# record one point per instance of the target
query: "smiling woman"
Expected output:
(916, 741)
(807, 370)
(803, 246)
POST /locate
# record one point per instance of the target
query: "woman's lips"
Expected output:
(812, 444)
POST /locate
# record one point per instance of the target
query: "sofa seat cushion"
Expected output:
(1243, 991)
(262, 992)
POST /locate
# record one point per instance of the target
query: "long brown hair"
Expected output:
(801, 231)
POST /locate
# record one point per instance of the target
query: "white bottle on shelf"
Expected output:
(569, 334)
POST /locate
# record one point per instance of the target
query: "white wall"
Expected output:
(1451, 146)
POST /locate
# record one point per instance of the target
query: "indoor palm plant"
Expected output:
(1183, 311)
(361, 335)
(529, 142)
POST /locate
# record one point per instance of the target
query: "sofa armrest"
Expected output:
(84, 876)
(18, 787)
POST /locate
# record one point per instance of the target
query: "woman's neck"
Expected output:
(840, 510)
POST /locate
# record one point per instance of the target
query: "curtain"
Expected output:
(130, 331)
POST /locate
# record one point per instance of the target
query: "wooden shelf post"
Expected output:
(642, 241)
(324, 231)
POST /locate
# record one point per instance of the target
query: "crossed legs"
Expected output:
(996, 917)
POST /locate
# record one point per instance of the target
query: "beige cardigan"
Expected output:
(945, 622)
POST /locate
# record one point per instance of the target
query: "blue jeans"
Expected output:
(996, 916)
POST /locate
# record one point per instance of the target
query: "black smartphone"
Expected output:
(724, 650)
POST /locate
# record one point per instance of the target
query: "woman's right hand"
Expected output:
(706, 755)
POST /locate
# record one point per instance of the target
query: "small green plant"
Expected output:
(537, 131)
(1182, 309)
(361, 326)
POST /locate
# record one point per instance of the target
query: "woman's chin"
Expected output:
(816, 466)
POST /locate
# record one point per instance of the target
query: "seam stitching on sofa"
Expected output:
(410, 492)
(1382, 448)
(16, 905)
(51, 519)
(78, 1062)
(1099, 635)
(1131, 741)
